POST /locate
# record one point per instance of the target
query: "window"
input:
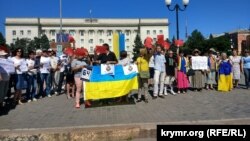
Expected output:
(154, 39)
(14, 41)
(109, 32)
(91, 32)
(14, 32)
(101, 41)
(148, 32)
(154, 32)
(53, 32)
(72, 32)
(135, 31)
(161, 32)
(82, 42)
(81, 32)
(127, 47)
(43, 32)
(91, 41)
(21, 32)
(91, 49)
(110, 41)
(100, 32)
(127, 40)
(127, 33)
(29, 32)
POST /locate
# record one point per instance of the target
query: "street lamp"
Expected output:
(177, 8)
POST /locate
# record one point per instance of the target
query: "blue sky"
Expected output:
(208, 16)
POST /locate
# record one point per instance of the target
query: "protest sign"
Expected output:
(199, 63)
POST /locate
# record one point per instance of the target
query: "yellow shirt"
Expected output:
(142, 64)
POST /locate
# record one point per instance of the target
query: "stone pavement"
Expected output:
(58, 111)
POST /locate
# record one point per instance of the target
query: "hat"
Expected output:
(212, 50)
(3, 53)
(39, 51)
(196, 50)
(50, 49)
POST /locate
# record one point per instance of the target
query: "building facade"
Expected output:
(87, 32)
(241, 39)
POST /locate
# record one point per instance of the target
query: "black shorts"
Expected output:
(151, 72)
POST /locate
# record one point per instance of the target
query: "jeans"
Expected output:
(32, 84)
(247, 76)
(45, 77)
(60, 82)
(159, 77)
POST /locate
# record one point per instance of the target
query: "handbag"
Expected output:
(190, 72)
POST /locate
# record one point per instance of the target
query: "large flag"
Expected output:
(118, 43)
(109, 86)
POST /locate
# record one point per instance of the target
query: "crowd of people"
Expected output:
(159, 70)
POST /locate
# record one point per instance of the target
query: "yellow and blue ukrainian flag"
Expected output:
(109, 86)
(118, 43)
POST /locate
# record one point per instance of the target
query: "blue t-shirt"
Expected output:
(246, 62)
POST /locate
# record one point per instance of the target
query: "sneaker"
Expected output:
(146, 101)
(29, 101)
(172, 92)
(34, 99)
(49, 95)
(20, 102)
(56, 93)
(165, 93)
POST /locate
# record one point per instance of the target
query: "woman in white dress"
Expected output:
(236, 62)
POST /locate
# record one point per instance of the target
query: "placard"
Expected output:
(199, 63)
(7, 65)
(108, 69)
(86, 73)
(59, 50)
(131, 68)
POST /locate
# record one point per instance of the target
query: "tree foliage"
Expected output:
(137, 46)
(2, 39)
(44, 42)
(197, 40)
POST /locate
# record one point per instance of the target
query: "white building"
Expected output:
(87, 32)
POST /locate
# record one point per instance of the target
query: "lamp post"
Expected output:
(177, 8)
(60, 21)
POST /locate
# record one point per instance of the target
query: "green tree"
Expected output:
(196, 40)
(44, 42)
(137, 46)
(2, 39)
(37, 44)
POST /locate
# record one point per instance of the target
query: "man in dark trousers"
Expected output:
(107, 58)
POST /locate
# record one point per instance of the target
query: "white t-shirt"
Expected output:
(64, 61)
(124, 61)
(46, 64)
(31, 63)
(18, 62)
(54, 61)
(151, 62)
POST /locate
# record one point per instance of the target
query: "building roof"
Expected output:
(87, 21)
